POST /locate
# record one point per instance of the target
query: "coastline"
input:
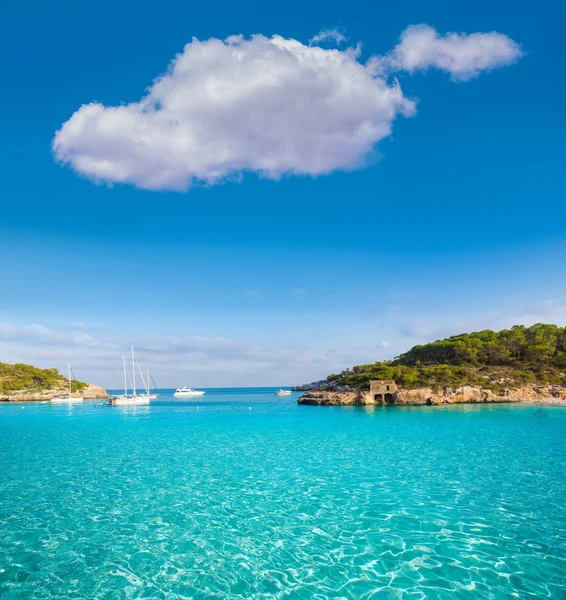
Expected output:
(91, 392)
(526, 394)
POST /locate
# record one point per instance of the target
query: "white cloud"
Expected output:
(272, 106)
(329, 35)
(268, 105)
(384, 344)
(462, 55)
(202, 361)
(431, 328)
(34, 333)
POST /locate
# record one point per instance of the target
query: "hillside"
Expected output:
(489, 359)
(26, 382)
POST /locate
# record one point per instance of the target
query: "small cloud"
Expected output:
(328, 35)
(384, 345)
(462, 55)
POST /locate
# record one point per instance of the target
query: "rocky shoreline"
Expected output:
(544, 394)
(91, 392)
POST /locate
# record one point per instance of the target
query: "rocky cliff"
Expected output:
(91, 392)
(447, 395)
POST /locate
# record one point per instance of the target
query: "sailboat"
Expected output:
(148, 393)
(134, 398)
(67, 398)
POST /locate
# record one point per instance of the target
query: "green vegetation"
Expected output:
(493, 359)
(20, 377)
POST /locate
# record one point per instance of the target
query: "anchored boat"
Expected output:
(67, 398)
(149, 394)
(186, 392)
(133, 399)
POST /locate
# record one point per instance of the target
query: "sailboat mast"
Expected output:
(134, 371)
(125, 382)
(148, 386)
(70, 392)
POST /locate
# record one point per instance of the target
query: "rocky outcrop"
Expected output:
(549, 394)
(91, 392)
(319, 398)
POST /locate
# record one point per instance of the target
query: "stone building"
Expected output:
(383, 391)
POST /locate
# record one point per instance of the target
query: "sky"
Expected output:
(266, 194)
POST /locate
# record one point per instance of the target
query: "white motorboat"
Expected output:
(133, 399)
(67, 398)
(283, 393)
(186, 392)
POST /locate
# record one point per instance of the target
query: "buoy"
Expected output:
(197, 407)
(249, 407)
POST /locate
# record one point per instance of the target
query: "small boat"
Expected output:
(129, 400)
(133, 399)
(283, 393)
(185, 392)
(149, 395)
(67, 398)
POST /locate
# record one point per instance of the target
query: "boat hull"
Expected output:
(124, 401)
(65, 400)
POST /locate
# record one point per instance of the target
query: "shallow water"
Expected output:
(281, 501)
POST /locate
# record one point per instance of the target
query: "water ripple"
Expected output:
(282, 502)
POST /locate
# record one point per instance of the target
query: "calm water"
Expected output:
(281, 501)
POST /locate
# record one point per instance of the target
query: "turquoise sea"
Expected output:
(253, 496)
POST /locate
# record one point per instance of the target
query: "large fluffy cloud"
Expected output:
(269, 105)
(463, 56)
(273, 106)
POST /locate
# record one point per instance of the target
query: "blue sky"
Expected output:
(454, 222)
